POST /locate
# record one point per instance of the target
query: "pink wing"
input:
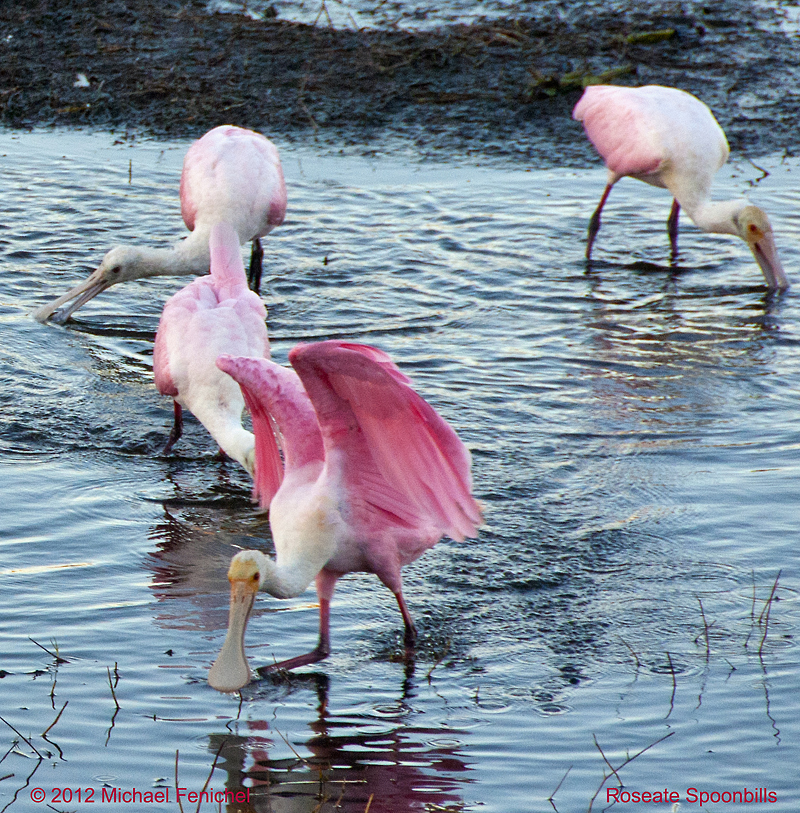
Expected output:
(164, 383)
(363, 400)
(277, 401)
(619, 122)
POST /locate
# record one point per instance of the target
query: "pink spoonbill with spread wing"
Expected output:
(668, 138)
(374, 477)
(212, 315)
(230, 174)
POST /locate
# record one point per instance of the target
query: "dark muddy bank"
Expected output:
(500, 89)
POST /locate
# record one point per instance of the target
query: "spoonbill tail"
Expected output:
(230, 174)
(669, 138)
(212, 315)
(374, 477)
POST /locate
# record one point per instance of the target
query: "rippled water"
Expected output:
(635, 436)
(408, 14)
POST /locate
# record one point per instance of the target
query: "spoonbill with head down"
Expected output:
(230, 174)
(212, 315)
(669, 138)
(374, 477)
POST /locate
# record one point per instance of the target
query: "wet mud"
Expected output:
(500, 89)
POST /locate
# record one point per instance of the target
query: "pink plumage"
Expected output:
(668, 138)
(231, 169)
(229, 175)
(212, 315)
(374, 477)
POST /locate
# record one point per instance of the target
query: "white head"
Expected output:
(230, 671)
(120, 264)
(753, 226)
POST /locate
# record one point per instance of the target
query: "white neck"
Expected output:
(287, 580)
(718, 217)
(188, 256)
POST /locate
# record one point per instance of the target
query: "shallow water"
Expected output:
(413, 14)
(635, 439)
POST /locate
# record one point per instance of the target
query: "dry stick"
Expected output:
(291, 748)
(111, 686)
(752, 612)
(622, 765)
(705, 628)
(57, 657)
(674, 684)
(369, 803)
(208, 778)
(631, 650)
(180, 806)
(605, 759)
(23, 737)
(116, 703)
(767, 607)
(558, 786)
(58, 717)
(13, 746)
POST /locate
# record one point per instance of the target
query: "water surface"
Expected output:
(635, 435)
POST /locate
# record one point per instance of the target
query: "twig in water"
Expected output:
(55, 654)
(208, 778)
(58, 717)
(752, 612)
(631, 650)
(558, 786)
(705, 628)
(369, 802)
(111, 685)
(180, 806)
(291, 748)
(767, 608)
(674, 684)
(622, 765)
(605, 759)
(23, 737)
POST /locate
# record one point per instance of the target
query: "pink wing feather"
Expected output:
(618, 122)
(420, 457)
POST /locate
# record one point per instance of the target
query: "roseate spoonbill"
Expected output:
(669, 138)
(212, 315)
(374, 477)
(230, 174)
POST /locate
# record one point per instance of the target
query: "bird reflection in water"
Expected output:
(350, 762)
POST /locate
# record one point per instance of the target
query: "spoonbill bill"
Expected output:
(374, 477)
(230, 174)
(669, 138)
(212, 315)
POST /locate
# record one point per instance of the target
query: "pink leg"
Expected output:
(411, 630)
(325, 585)
(672, 226)
(177, 429)
(594, 223)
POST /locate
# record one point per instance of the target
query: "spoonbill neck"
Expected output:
(717, 217)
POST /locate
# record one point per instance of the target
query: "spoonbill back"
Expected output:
(230, 174)
(669, 138)
(212, 315)
(374, 477)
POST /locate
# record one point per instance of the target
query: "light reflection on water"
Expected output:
(634, 432)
